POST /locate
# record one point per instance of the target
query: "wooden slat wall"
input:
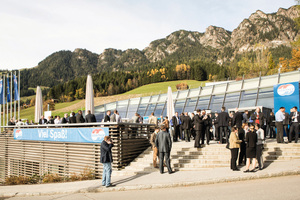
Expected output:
(40, 157)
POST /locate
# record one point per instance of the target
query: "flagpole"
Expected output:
(19, 91)
(15, 102)
(7, 98)
(11, 94)
(4, 99)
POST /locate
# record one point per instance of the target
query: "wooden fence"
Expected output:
(21, 157)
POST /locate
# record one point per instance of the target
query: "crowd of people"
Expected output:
(244, 133)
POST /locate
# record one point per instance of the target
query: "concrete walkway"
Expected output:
(155, 180)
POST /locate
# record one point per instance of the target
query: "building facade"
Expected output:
(244, 93)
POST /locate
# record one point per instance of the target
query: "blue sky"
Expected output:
(31, 30)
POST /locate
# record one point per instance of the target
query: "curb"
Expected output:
(157, 186)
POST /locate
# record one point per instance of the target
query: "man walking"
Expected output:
(106, 159)
(164, 144)
(295, 119)
(279, 117)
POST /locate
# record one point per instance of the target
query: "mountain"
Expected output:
(216, 45)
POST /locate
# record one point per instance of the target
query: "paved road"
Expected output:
(263, 189)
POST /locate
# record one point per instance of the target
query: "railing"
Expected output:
(27, 158)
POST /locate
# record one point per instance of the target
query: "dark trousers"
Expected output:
(176, 133)
(259, 149)
(279, 136)
(294, 128)
(217, 132)
(242, 157)
(223, 131)
(197, 139)
(206, 133)
(187, 135)
(286, 129)
(164, 156)
(272, 131)
(234, 156)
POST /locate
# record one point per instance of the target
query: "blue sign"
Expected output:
(286, 95)
(83, 135)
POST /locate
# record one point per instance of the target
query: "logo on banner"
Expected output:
(98, 134)
(18, 134)
(286, 90)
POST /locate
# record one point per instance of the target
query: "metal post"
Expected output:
(4, 101)
(7, 99)
(15, 102)
(19, 91)
(11, 96)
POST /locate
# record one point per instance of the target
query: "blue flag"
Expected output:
(16, 88)
(8, 90)
(1, 91)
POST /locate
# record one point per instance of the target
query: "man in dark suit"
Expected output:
(107, 116)
(90, 118)
(176, 126)
(163, 143)
(286, 123)
(237, 119)
(64, 120)
(72, 119)
(42, 120)
(295, 119)
(79, 117)
(186, 126)
(223, 119)
(206, 127)
(181, 135)
(198, 128)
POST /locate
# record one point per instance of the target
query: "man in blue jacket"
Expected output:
(106, 160)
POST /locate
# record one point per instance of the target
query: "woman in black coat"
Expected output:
(251, 140)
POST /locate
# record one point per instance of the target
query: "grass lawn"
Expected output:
(162, 87)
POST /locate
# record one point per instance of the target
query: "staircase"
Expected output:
(184, 157)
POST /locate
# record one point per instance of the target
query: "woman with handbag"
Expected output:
(234, 145)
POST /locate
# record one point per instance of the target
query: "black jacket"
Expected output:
(198, 123)
(72, 120)
(238, 119)
(64, 120)
(90, 118)
(79, 119)
(51, 121)
(107, 118)
(11, 123)
(163, 142)
(174, 121)
(271, 120)
(286, 120)
(223, 119)
(106, 154)
(186, 122)
(251, 139)
(41, 122)
(298, 117)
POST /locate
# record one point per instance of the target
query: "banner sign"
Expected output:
(83, 135)
(286, 95)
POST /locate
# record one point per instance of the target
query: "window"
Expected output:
(159, 108)
(191, 104)
(150, 109)
(266, 97)
(179, 105)
(248, 98)
(203, 102)
(231, 100)
(132, 107)
(216, 102)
